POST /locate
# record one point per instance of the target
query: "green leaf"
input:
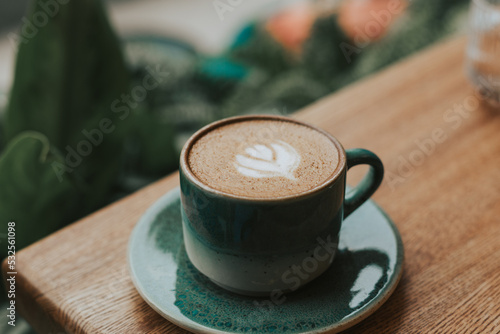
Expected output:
(68, 74)
(153, 141)
(262, 51)
(32, 194)
(322, 56)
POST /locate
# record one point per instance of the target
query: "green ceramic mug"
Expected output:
(259, 245)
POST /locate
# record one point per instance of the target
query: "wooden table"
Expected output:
(441, 149)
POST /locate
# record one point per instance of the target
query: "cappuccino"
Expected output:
(263, 158)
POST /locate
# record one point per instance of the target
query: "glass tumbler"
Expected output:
(483, 49)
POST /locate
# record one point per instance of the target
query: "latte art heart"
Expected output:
(274, 160)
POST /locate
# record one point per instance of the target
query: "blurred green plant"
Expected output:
(66, 77)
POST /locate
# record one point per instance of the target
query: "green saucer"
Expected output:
(365, 272)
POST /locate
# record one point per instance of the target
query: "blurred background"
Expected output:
(98, 97)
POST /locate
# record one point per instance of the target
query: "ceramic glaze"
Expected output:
(246, 242)
(365, 272)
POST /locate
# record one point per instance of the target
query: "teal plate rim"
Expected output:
(146, 276)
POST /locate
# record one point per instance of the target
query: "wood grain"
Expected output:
(444, 198)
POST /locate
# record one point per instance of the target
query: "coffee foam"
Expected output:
(263, 158)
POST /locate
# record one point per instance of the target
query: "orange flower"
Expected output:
(292, 26)
(371, 18)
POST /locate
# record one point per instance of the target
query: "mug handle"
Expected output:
(370, 182)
